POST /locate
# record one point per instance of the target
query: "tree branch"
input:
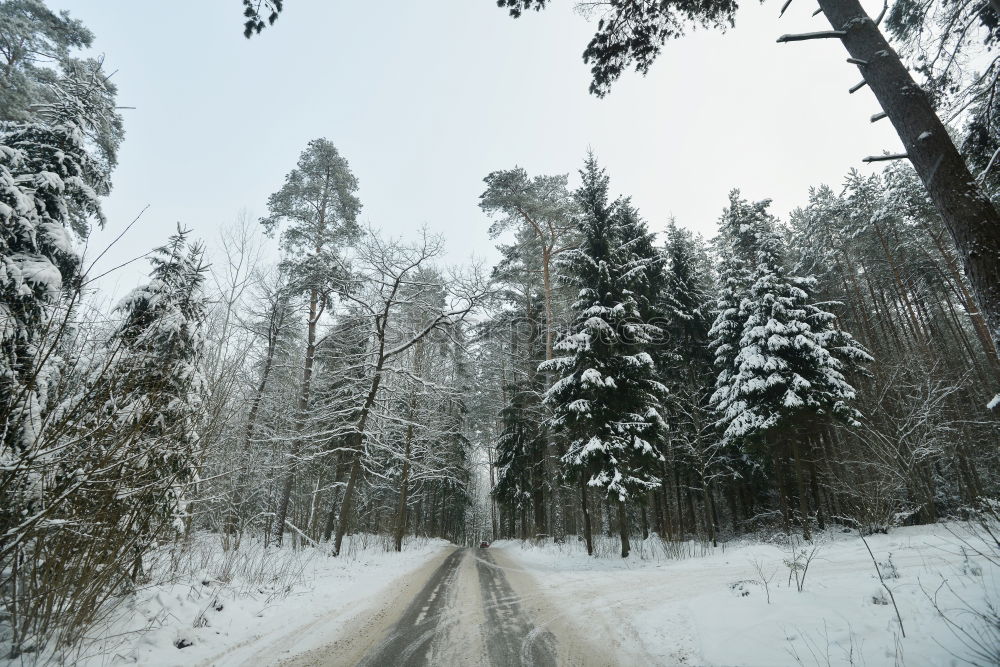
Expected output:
(826, 34)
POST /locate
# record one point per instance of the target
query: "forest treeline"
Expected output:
(832, 368)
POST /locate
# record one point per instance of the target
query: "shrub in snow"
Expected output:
(798, 563)
(879, 597)
(764, 576)
(741, 588)
(888, 568)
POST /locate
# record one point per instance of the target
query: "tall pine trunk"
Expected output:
(800, 487)
(970, 217)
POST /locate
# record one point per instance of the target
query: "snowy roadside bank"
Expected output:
(231, 607)
(715, 609)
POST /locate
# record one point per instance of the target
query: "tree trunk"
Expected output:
(970, 217)
(347, 502)
(707, 513)
(800, 487)
(665, 493)
(404, 478)
(331, 517)
(958, 283)
(359, 439)
(537, 489)
(232, 520)
(403, 488)
(680, 504)
(732, 499)
(587, 534)
(692, 517)
(494, 520)
(713, 512)
(551, 448)
(307, 367)
(814, 489)
(645, 520)
(623, 528)
(783, 495)
(658, 512)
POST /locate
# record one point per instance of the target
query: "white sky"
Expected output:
(425, 98)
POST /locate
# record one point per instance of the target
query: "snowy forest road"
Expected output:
(436, 630)
(474, 608)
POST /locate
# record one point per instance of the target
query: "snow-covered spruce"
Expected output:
(781, 359)
(162, 383)
(49, 187)
(607, 398)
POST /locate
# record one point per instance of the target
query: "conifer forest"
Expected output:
(555, 429)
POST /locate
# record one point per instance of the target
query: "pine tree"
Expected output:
(607, 398)
(540, 209)
(319, 205)
(33, 37)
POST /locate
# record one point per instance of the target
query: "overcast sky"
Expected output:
(425, 98)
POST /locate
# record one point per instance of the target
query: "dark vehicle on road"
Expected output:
(484, 544)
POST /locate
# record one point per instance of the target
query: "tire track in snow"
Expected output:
(511, 638)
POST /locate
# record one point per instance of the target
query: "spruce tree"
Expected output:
(49, 187)
(132, 440)
(782, 360)
(161, 371)
(684, 297)
(685, 365)
(607, 397)
(517, 449)
(49, 194)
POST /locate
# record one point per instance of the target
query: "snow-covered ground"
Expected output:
(713, 609)
(672, 604)
(237, 607)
